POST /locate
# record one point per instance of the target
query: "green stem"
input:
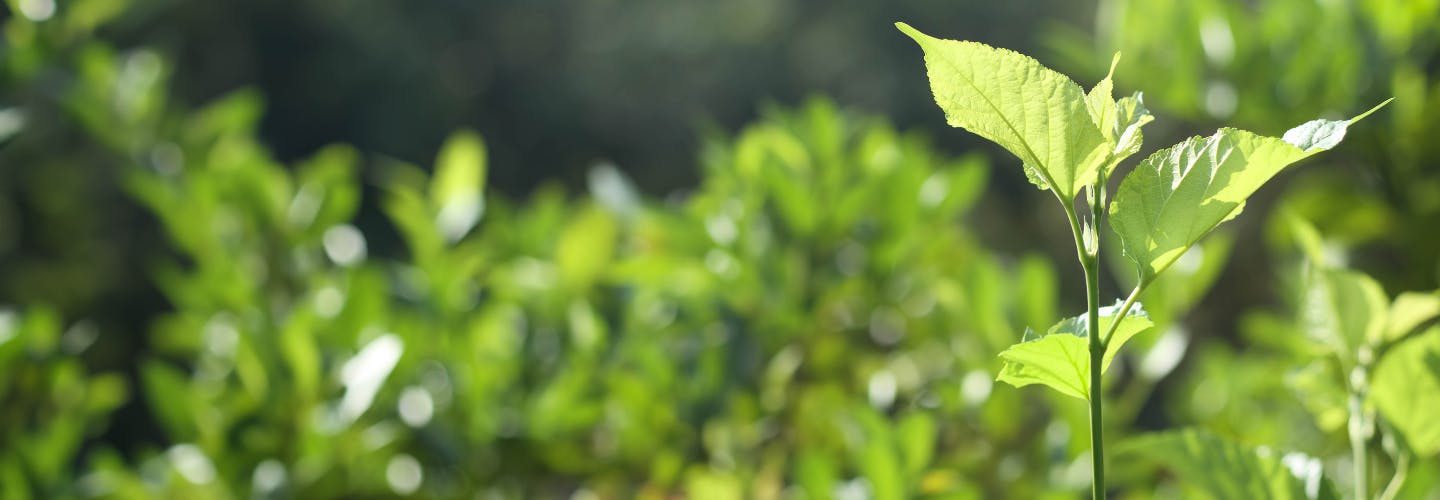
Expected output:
(1097, 358)
(1090, 263)
(1124, 309)
(1402, 467)
(1357, 426)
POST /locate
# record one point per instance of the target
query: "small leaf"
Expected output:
(1320, 135)
(167, 389)
(1119, 121)
(586, 246)
(916, 434)
(1307, 238)
(1344, 309)
(1408, 312)
(1061, 362)
(1406, 381)
(1222, 469)
(457, 190)
(1035, 176)
(1037, 114)
(1180, 194)
(1090, 238)
(1060, 359)
(1100, 101)
(1130, 116)
(301, 352)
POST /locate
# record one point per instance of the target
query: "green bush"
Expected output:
(817, 318)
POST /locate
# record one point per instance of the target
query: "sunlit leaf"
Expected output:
(457, 189)
(1037, 114)
(1100, 101)
(586, 246)
(703, 483)
(1406, 383)
(366, 372)
(1220, 469)
(1119, 121)
(1060, 358)
(1125, 133)
(1409, 311)
(1179, 194)
(1320, 135)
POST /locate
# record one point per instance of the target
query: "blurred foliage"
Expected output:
(817, 318)
(52, 403)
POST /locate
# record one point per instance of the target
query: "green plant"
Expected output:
(1358, 367)
(1071, 141)
(1267, 64)
(50, 403)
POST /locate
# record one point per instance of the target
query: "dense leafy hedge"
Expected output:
(818, 318)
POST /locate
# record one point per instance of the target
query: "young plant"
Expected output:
(1070, 141)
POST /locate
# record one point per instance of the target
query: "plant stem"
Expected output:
(1090, 263)
(1402, 467)
(1357, 426)
(1098, 342)
(1124, 309)
(1097, 358)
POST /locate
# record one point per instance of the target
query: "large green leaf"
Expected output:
(1060, 358)
(1404, 389)
(1032, 111)
(1179, 194)
(1217, 468)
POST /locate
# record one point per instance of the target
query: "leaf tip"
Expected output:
(909, 30)
(1368, 113)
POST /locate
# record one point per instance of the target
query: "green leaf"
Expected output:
(1344, 309)
(1320, 135)
(704, 483)
(916, 434)
(1061, 362)
(1180, 194)
(1119, 121)
(1218, 468)
(586, 246)
(1100, 101)
(457, 190)
(167, 389)
(301, 352)
(1130, 115)
(1405, 384)
(1060, 359)
(1037, 114)
(1307, 238)
(1408, 312)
